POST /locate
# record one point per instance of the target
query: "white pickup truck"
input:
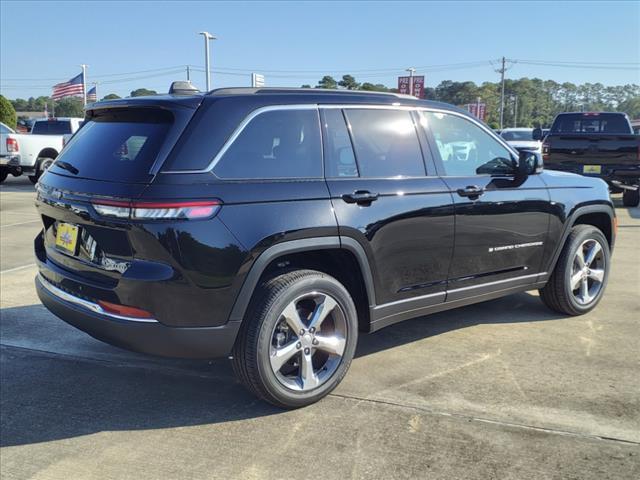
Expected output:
(32, 153)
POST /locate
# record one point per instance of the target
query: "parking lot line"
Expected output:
(9, 270)
(19, 223)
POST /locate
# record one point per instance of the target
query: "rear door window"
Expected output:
(118, 146)
(385, 143)
(275, 144)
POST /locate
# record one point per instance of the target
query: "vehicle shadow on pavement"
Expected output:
(49, 396)
(518, 308)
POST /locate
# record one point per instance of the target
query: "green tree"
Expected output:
(143, 92)
(370, 87)
(306, 85)
(327, 82)
(7, 113)
(19, 104)
(112, 96)
(69, 107)
(631, 107)
(349, 82)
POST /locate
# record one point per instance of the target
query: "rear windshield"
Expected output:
(117, 145)
(52, 127)
(591, 123)
(518, 135)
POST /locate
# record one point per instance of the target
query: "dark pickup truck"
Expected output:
(595, 144)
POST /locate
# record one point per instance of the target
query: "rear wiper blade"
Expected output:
(67, 166)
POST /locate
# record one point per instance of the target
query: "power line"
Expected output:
(580, 63)
(595, 65)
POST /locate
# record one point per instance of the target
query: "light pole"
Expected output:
(207, 36)
(411, 70)
(515, 110)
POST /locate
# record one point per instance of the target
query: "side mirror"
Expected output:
(529, 163)
(537, 134)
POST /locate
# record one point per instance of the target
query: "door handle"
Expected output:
(361, 197)
(471, 191)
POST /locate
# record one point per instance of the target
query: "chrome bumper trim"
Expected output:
(94, 307)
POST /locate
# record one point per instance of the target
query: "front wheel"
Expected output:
(631, 198)
(297, 339)
(580, 276)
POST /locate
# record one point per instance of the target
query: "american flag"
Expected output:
(72, 88)
(92, 95)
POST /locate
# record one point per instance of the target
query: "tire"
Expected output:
(3, 175)
(268, 327)
(560, 293)
(631, 198)
(42, 165)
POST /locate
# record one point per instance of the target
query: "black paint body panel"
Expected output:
(420, 246)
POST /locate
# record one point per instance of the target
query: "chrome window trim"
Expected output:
(315, 106)
(236, 133)
(81, 302)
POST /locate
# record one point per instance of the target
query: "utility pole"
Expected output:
(188, 74)
(84, 84)
(411, 70)
(502, 70)
(207, 36)
(515, 111)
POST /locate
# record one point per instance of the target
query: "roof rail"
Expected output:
(300, 91)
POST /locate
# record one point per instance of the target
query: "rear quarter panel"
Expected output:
(256, 215)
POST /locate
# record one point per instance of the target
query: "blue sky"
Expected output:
(294, 43)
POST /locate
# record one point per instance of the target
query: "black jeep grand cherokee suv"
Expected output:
(272, 225)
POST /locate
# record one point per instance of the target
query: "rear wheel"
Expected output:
(580, 277)
(631, 198)
(297, 339)
(4, 173)
(42, 166)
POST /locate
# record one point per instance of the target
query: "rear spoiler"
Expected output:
(168, 102)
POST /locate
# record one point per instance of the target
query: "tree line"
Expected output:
(66, 107)
(529, 102)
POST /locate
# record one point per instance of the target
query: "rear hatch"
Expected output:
(111, 160)
(601, 149)
(591, 139)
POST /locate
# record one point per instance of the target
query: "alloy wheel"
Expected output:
(587, 276)
(308, 341)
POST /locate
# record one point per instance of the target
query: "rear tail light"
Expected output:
(545, 150)
(190, 210)
(123, 310)
(12, 145)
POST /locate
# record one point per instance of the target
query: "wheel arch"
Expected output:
(600, 216)
(343, 259)
(48, 153)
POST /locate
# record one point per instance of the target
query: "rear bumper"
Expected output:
(146, 336)
(610, 173)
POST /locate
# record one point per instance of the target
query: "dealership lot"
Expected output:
(504, 389)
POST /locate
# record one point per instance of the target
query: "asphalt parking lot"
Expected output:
(503, 389)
